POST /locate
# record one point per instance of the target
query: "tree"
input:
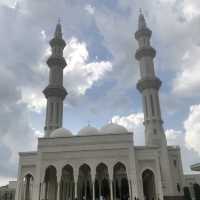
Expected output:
(187, 194)
(196, 188)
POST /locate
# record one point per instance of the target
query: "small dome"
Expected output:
(88, 130)
(113, 129)
(61, 132)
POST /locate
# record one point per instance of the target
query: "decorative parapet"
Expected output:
(148, 83)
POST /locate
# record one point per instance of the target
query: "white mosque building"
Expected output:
(102, 164)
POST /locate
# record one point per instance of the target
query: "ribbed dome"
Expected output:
(113, 129)
(61, 132)
(88, 130)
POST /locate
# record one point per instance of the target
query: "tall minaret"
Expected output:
(149, 86)
(55, 92)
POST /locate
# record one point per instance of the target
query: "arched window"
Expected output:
(50, 183)
(102, 178)
(67, 183)
(120, 182)
(187, 194)
(196, 188)
(28, 187)
(149, 188)
(84, 183)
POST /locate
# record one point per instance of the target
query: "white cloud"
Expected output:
(131, 121)
(134, 123)
(192, 129)
(80, 74)
(191, 8)
(34, 98)
(90, 9)
(173, 136)
(187, 80)
(10, 3)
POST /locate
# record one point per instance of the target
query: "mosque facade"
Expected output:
(102, 164)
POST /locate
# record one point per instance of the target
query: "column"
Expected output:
(111, 189)
(93, 190)
(58, 190)
(40, 191)
(76, 171)
(75, 190)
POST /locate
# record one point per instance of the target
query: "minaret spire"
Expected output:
(55, 92)
(149, 86)
(142, 21)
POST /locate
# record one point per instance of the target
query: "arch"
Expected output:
(102, 182)
(187, 194)
(149, 187)
(120, 182)
(51, 185)
(84, 183)
(196, 188)
(28, 187)
(67, 183)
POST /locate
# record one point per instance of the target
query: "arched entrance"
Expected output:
(27, 187)
(50, 183)
(67, 183)
(149, 185)
(84, 183)
(120, 182)
(102, 188)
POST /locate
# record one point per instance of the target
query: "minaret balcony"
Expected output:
(56, 61)
(145, 32)
(57, 42)
(55, 91)
(148, 83)
(145, 51)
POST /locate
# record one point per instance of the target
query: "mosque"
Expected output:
(102, 164)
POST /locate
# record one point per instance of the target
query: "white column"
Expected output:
(76, 171)
(111, 189)
(93, 190)
(75, 190)
(58, 190)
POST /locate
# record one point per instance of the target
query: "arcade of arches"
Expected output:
(85, 188)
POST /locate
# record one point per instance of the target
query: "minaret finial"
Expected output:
(141, 21)
(58, 31)
(59, 20)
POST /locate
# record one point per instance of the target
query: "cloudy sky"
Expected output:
(101, 74)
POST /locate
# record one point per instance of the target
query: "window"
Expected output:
(51, 112)
(152, 106)
(175, 163)
(178, 187)
(57, 112)
(146, 107)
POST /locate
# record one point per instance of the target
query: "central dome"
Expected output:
(113, 129)
(61, 132)
(88, 130)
